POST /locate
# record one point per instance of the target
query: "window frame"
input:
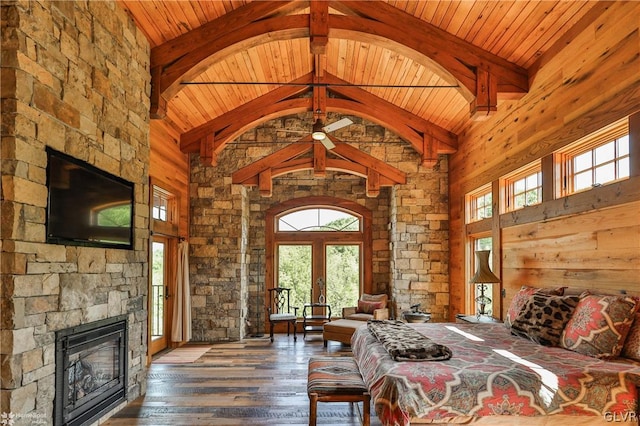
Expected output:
(473, 240)
(507, 186)
(564, 159)
(471, 201)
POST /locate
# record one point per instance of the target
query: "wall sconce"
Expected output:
(482, 277)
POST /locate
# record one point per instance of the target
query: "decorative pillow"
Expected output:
(375, 298)
(543, 318)
(631, 348)
(365, 307)
(521, 298)
(600, 325)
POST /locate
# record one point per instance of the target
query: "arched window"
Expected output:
(319, 219)
(320, 247)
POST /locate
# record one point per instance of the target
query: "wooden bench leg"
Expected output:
(313, 408)
(366, 410)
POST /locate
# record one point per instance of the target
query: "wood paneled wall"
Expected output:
(590, 80)
(597, 251)
(170, 168)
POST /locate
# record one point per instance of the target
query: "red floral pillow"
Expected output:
(522, 296)
(631, 348)
(366, 307)
(599, 325)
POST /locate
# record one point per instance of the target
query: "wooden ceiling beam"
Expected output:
(319, 160)
(486, 102)
(280, 156)
(319, 27)
(388, 21)
(187, 56)
(404, 123)
(189, 140)
(288, 160)
(187, 63)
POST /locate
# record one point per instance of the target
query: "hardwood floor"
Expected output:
(253, 382)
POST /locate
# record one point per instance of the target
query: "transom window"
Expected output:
(599, 159)
(523, 188)
(163, 205)
(479, 204)
(319, 219)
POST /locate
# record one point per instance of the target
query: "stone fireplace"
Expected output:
(91, 370)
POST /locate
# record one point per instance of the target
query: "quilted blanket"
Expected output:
(405, 344)
(492, 373)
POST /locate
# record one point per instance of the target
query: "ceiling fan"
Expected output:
(319, 132)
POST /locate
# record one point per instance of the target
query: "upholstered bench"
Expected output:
(336, 379)
(340, 330)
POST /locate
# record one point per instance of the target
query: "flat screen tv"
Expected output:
(87, 206)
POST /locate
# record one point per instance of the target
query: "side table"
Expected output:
(313, 322)
(474, 319)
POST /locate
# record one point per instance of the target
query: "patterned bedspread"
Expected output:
(490, 373)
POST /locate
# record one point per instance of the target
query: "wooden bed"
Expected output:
(494, 377)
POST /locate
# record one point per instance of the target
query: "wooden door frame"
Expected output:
(169, 280)
(170, 232)
(272, 238)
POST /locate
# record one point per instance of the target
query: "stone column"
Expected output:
(420, 242)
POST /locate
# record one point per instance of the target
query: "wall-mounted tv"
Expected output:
(87, 206)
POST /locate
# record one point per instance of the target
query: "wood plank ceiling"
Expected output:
(423, 69)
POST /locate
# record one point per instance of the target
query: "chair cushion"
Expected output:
(281, 317)
(335, 376)
(360, 317)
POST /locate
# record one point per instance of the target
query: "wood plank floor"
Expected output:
(253, 382)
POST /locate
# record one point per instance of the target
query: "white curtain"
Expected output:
(181, 327)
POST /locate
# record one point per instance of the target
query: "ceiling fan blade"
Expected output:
(327, 143)
(337, 125)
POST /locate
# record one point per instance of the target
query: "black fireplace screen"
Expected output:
(91, 370)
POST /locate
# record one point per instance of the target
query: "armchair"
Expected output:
(281, 311)
(370, 306)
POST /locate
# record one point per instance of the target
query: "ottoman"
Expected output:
(336, 379)
(341, 330)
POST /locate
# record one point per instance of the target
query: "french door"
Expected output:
(159, 294)
(321, 248)
(320, 271)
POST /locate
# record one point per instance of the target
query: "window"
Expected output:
(480, 290)
(523, 187)
(319, 219)
(596, 160)
(163, 205)
(479, 204)
(321, 248)
(337, 265)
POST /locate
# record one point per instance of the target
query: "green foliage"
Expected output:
(117, 216)
(294, 272)
(343, 276)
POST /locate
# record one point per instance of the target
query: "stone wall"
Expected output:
(227, 233)
(420, 241)
(75, 77)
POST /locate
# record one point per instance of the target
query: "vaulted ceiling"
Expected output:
(422, 69)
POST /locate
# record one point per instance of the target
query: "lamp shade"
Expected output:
(483, 272)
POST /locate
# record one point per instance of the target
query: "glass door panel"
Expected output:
(294, 272)
(158, 296)
(342, 265)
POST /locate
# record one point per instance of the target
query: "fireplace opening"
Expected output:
(91, 371)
